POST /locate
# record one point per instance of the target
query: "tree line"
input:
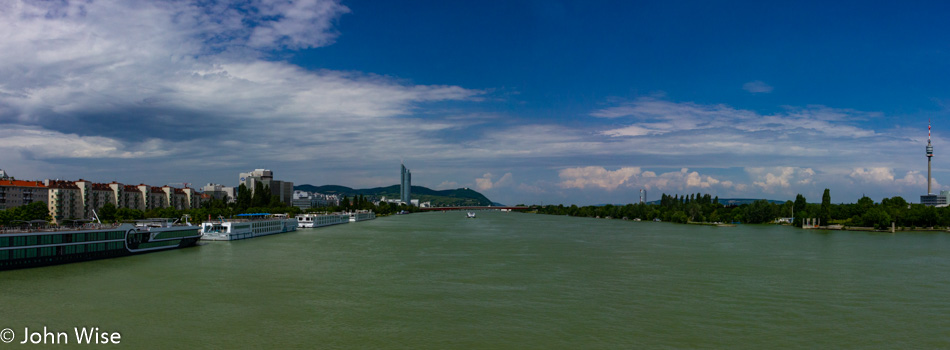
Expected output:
(700, 207)
(20, 216)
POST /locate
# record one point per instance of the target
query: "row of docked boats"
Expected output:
(49, 245)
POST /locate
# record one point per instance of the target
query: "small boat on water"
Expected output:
(471, 215)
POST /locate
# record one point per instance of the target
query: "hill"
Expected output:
(459, 196)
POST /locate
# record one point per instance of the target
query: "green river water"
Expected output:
(505, 281)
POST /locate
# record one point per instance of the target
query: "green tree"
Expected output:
(800, 204)
(894, 202)
(694, 211)
(825, 214)
(126, 214)
(29, 212)
(714, 216)
(760, 211)
(679, 217)
(168, 212)
(865, 204)
(107, 212)
(244, 199)
(876, 217)
(261, 195)
(275, 201)
(6, 217)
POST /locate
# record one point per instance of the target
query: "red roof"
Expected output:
(21, 183)
(62, 184)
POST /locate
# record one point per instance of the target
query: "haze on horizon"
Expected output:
(525, 101)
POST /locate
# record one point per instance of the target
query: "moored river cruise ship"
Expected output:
(324, 219)
(361, 215)
(247, 226)
(32, 247)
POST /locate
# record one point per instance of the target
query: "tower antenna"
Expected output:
(930, 154)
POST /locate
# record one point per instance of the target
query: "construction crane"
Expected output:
(185, 184)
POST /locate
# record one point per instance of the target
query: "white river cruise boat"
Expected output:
(247, 226)
(324, 219)
(361, 215)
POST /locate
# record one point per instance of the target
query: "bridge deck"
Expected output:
(472, 208)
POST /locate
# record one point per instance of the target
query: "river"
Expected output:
(506, 281)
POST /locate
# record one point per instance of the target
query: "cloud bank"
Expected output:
(153, 91)
(164, 79)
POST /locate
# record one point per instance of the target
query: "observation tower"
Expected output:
(930, 155)
(930, 198)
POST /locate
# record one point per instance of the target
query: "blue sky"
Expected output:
(526, 101)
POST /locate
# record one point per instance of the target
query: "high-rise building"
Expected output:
(217, 191)
(405, 188)
(282, 189)
(258, 175)
(643, 195)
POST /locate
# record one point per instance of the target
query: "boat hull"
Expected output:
(34, 249)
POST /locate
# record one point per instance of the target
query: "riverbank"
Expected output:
(835, 227)
(872, 229)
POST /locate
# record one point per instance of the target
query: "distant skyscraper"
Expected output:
(643, 195)
(405, 188)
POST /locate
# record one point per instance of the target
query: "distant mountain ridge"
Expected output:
(459, 196)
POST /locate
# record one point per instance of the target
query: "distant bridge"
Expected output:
(472, 208)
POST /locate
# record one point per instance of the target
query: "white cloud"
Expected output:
(657, 117)
(593, 176)
(485, 183)
(38, 143)
(295, 24)
(129, 71)
(878, 175)
(756, 87)
(915, 179)
(685, 180)
(884, 176)
(780, 179)
(633, 177)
